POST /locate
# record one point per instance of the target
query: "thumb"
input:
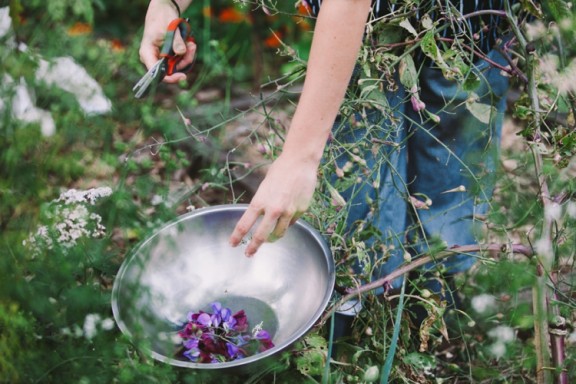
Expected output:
(179, 46)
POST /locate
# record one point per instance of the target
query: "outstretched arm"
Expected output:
(286, 191)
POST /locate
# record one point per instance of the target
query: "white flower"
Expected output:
(571, 339)
(71, 220)
(571, 209)
(553, 211)
(90, 323)
(107, 324)
(156, 200)
(484, 303)
(257, 328)
(503, 333)
(498, 349)
(72, 196)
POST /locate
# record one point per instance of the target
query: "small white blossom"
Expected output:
(71, 221)
(107, 324)
(156, 200)
(571, 339)
(498, 350)
(553, 212)
(90, 323)
(503, 333)
(257, 328)
(484, 303)
(536, 30)
(571, 209)
(90, 196)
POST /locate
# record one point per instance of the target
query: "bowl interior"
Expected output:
(188, 264)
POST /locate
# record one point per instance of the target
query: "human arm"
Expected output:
(287, 189)
(160, 13)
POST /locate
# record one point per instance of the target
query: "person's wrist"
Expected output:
(179, 6)
(302, 155)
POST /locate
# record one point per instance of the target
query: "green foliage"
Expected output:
(15, 343)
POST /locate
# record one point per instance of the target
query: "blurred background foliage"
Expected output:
(55, 306)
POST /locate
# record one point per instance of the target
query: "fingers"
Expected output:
(272, 227)
(178, 46)
(281, 227)
(150, 53)
(188, 52)
(188, 56)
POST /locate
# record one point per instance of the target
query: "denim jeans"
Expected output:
(451, 162)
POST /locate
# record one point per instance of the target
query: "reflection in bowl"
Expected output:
(188, 264)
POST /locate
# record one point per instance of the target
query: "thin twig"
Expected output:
(353, 293)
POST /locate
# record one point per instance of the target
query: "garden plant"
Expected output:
(75, 201)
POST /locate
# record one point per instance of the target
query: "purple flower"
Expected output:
(204, 319)
(241, 321)
(192, 349)
(234, 352)
(417, 104)
(220, 314)
(265, 340)
(242, 340)
(188, 331)
(191, 343)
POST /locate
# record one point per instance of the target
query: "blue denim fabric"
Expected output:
(408, 154)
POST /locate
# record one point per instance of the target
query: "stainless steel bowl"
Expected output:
(188, 264)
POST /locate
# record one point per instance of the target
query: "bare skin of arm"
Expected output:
(286, 191)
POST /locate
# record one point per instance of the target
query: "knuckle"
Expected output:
(241, 229)
(258, 238)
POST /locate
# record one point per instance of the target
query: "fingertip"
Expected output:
(234, 241)
(249, 252)
(180, 49)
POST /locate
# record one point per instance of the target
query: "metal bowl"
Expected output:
(188, 264)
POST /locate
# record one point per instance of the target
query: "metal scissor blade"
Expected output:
(149, 78)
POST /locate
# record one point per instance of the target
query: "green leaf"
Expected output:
(388, 34)
(471, 82)
(557, 9)
(371, 92)
(408, 73)
(420, 362)
(316, 341)
(405, 23)
(313, 358)
(482, 112)
(430, 49)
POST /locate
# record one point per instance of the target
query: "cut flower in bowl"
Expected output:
(221, 336)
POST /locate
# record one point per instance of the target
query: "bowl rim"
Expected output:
(133, 252)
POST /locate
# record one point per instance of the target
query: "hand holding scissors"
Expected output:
(168, 62)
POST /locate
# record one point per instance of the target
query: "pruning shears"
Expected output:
(166, 65)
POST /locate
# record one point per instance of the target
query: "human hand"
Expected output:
(158, 16)
(283, 196)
